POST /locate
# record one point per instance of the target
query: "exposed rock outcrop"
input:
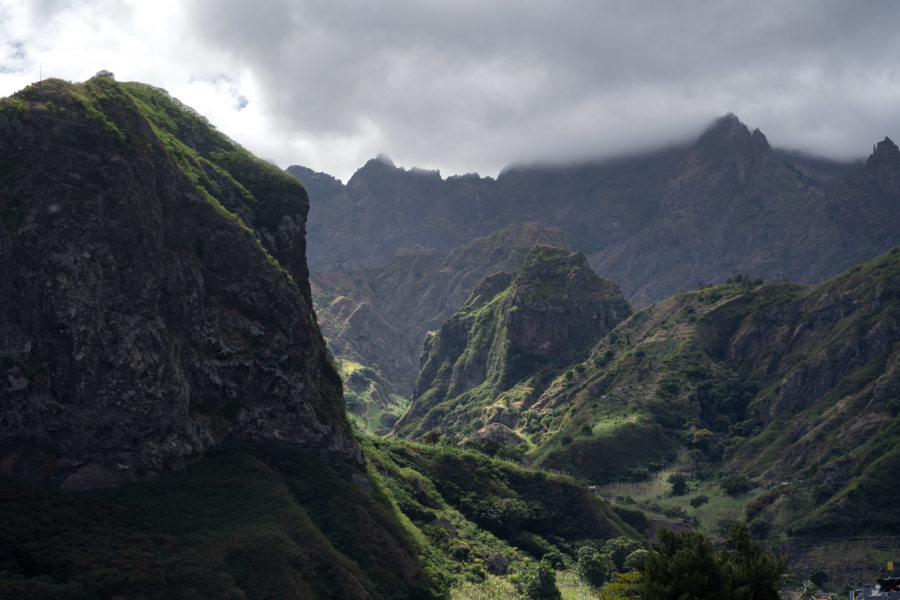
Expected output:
(145, 318)
(512, 328)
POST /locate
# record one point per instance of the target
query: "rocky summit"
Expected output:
(155, 294)
(513, 330)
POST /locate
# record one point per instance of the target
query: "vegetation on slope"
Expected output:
(272, 520)
(515, 331)
(376, 319)
(733, 388)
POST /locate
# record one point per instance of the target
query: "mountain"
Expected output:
(656, 223)
(375, 319)
(156, 295)
(490, 359)
(792, 387)
(171, 425)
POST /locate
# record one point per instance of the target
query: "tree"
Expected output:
(686, 565)
(431, 437)
(681, 565)
(736, 485)
(752, 574)
(807, 590)
(623, 586)
(593, 567)
(539, 583)
(679, 484)
(819, 577)
(619, 549)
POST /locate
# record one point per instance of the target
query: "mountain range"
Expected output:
(656, 223)
(173, 424)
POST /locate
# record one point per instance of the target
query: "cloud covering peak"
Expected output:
(472, 86)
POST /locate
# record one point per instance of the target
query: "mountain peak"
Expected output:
(727, 141)
(884, 153)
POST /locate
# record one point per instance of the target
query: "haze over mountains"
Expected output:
(655, 223)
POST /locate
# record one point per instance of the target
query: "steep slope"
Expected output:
(786, 385)
(161, 368)
(489, 361)
(656, 223)
(376, 319)
(155, 293)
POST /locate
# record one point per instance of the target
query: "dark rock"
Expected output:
(142, 324)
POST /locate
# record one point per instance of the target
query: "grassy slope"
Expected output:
(793, 387)
(272, 520)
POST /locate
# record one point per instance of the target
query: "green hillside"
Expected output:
(775, 403)
(488, 362)
(270, 520)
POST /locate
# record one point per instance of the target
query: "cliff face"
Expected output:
(146, 316)
(376, 319)
(512, 332)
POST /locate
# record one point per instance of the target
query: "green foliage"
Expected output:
(538, 583)
(735, 485)
(249, 520)
(819, 577)
(431, 437)
(687, 565)
(699, 500)
(808, 590)
(679, 484)
(622, 586)
(619, 549)
(593, 566)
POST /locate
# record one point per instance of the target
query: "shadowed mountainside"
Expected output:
(156, 299)
(656, 223)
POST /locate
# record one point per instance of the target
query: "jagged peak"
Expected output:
(728, 126)
(884, 153)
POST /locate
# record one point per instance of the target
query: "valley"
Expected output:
(221, 380)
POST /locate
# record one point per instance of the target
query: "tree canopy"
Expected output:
(686, 565)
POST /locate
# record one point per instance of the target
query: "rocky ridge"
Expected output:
(656, 223)
(485, 364)
(375, 320)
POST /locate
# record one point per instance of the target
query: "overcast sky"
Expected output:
(474, 85)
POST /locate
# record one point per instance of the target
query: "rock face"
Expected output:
(656, 223)
(512, 328)
(145, 313)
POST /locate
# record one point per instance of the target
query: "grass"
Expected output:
(501, 588)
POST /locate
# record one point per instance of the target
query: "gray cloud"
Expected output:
(475, 85)
(466, 85)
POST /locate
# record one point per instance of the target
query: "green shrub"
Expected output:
(538, 583)
(679, 484)
(593, 567)
(735, 485)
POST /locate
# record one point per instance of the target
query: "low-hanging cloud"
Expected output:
(472, 86)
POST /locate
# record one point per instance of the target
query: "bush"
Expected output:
(698, 501)
(679, 484)
(593, 567)
(735, 485)
(538, 583)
